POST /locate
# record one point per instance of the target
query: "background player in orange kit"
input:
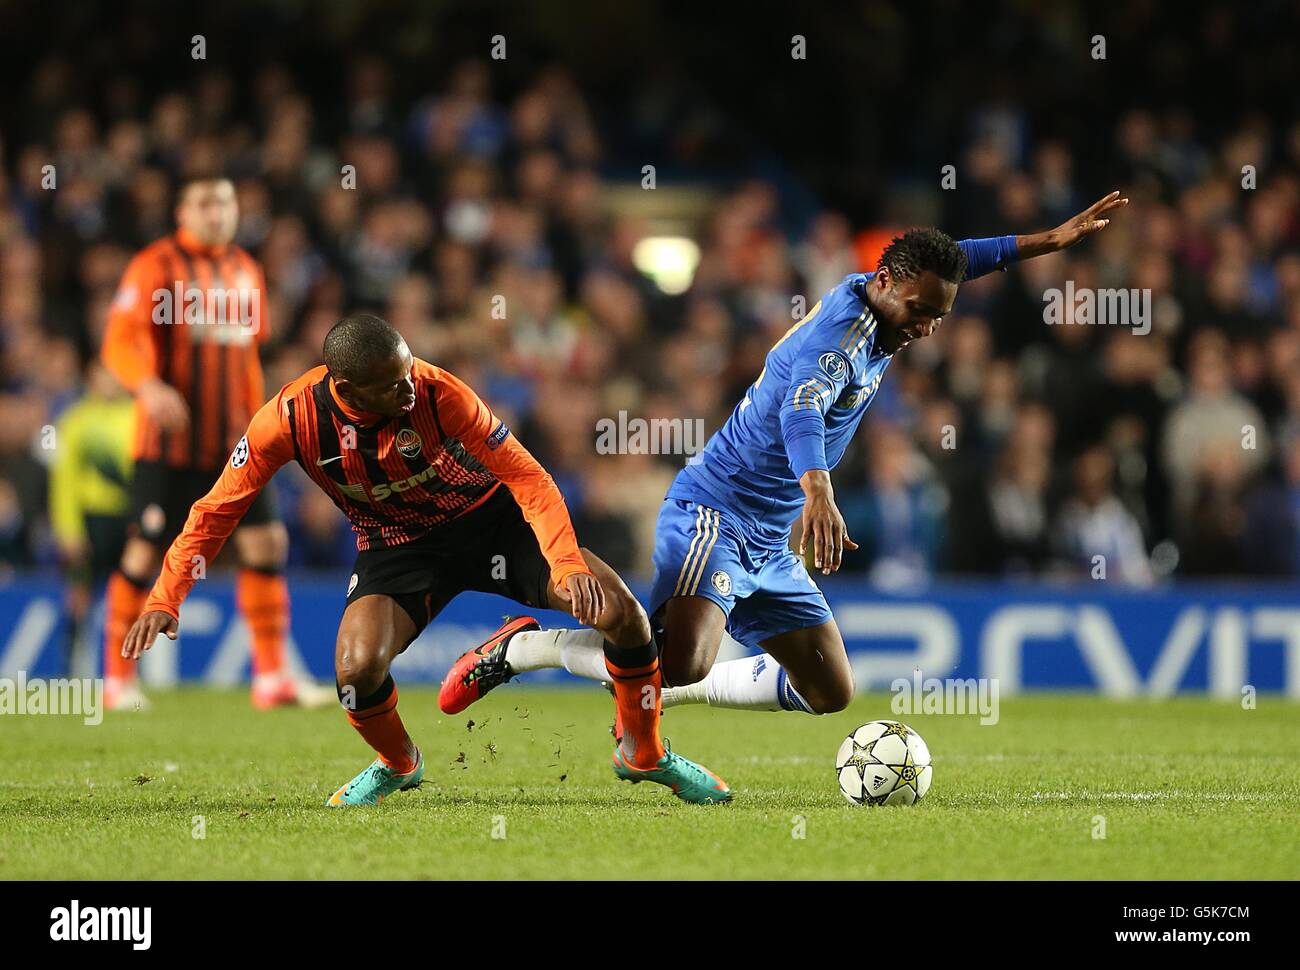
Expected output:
(416, 461)
(183, 336)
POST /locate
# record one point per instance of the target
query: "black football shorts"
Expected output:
(161, 497)
(491, 549)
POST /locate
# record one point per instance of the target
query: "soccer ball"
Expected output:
(884, 763)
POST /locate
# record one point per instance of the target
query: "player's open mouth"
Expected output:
(407, 405)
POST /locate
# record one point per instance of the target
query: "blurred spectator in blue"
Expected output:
(1094, 522)
(897, 519)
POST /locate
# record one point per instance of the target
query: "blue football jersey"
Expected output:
(815, 386)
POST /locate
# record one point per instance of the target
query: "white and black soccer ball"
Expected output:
(884, 763)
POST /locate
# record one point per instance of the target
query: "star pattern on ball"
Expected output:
(906, 772)
(897, 729)
(862, 755)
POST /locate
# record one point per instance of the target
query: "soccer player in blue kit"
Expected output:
(722, 542)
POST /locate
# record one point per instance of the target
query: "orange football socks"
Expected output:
(637, 692)
(263, 599)
(376, 719)
(125, 599)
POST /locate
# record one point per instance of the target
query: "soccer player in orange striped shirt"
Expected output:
(183, 336)
(417, 462)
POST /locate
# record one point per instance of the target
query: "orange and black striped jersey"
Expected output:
(192, 316)
(397, 479)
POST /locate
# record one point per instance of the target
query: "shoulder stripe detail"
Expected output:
(851, 334)
(866, 333)
(858, 333)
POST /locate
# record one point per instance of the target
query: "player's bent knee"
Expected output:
(617, 608)
(623, 617)
(831, 698)
(680, 671)
(360, 665)
(624, 613)
(828, 703)
(686, 659)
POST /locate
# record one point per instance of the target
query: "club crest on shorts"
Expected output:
(409, 443)
(240, 455)
(352, 584)
(721, 582)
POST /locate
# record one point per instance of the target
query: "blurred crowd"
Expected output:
(1001, 446)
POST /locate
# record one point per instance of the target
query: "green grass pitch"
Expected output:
(1186, 789)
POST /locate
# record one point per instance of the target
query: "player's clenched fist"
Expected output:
(585, 597)
(145, 630)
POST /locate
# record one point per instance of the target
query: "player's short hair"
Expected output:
(200, 178)
(357, 344)
(920, 251)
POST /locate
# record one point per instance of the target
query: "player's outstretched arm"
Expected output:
(266, 446)
(1086, 223)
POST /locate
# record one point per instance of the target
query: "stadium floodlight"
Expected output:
(670, 261)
